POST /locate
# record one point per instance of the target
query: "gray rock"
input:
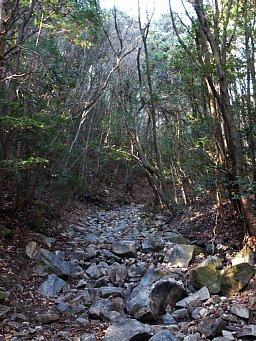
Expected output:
(148, 301)
(153, 244)
(125, 248)
(52, 286)
(75, 269)
(107, 310)
(211, 327)
(168, 319)
(49, 241)
(88, 296)
(246, 255)
(180, 256)
(98, 283)
(222, 338)
(240, 310)
(82, 320)
(110, 255)
(175, 238)
(4, 309)
(89, 254)
(63, 307)
(128, 330)
(138, 303)
(117, 274)
(236, 278)
(181, 315)
(210, 249)
(71, 309)
(212, 262)
(164, 335)
(248, 331)
(136, 271)
(93, 271)
(228, 334)
(87, 337)
(53, 264)
(199, 312)
(32, 250)
(165, 292)
(60, 255)
(193, 337)
(202, 295)
(82, 283)
(111, 292)
(152, 276)
(147, 246)
(91, 238)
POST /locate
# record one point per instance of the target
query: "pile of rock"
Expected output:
(145, 281)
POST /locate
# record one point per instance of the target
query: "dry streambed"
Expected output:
(119, 276)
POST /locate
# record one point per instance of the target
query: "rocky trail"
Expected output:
(118, 275)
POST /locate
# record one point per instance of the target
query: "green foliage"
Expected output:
(69, 187)
(62, 69)
(15, 165)
(20, 123)
(77, 21)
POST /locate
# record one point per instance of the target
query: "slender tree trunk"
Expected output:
(159, 183)
(4, 19)
(250, 75)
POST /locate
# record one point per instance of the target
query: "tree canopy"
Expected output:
(90, 95)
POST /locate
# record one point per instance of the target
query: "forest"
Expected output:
(105, 112)
(90, 95)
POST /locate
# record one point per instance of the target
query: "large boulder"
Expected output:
(207, 274)
(128, 330)
(246, 255)
(180, 255)
(138, 301)
(236, 278)
(150, 298)
(165, 292)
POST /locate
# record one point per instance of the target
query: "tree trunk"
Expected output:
(234, 144)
